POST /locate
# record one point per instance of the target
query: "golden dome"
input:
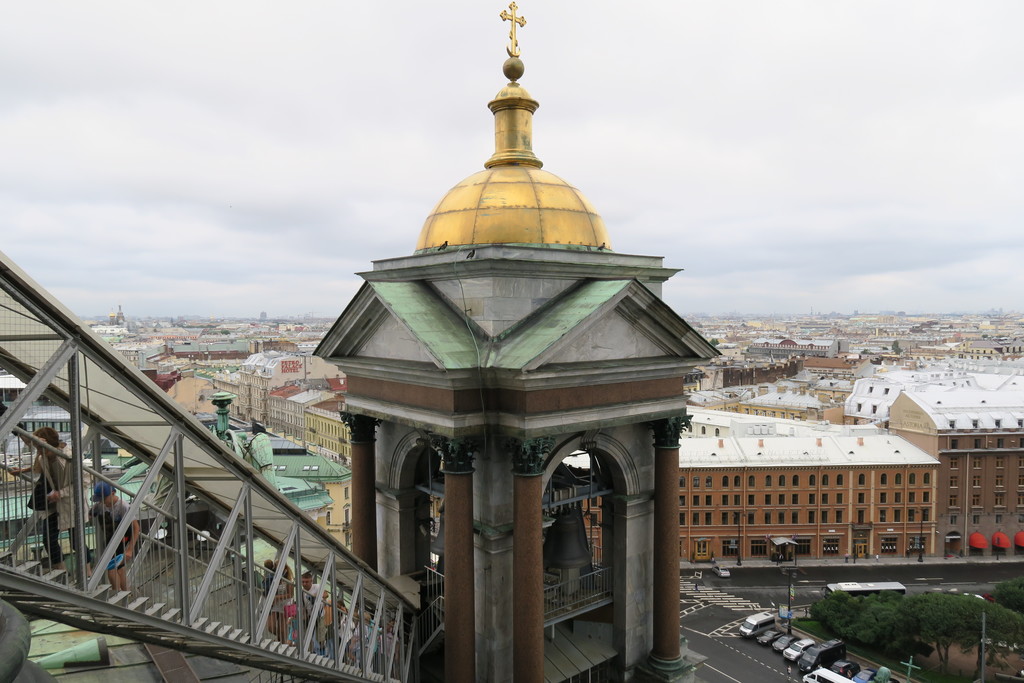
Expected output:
(514, 205)
(513, 201)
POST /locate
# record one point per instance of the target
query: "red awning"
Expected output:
(1018, 539)
(977, 541)
(1000, 540)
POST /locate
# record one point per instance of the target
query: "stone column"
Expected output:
(363, 431)
(666, 652)
(528, 560)
(459, 564)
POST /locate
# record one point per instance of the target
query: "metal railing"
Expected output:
(191, 548)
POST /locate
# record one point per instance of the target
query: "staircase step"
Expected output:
(119, 597)
(171, 613)
(156, 608)
(212, 626)
(53, 575)
(234, 634)
(137, 603)
(198, 623)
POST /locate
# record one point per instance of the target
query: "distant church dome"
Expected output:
(513, 201)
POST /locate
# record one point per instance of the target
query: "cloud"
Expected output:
(238, 157)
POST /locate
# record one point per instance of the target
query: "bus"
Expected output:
(854, 588)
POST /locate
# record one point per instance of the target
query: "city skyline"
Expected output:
(788, 157)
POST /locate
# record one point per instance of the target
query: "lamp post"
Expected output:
(789, 604)
(739, 541)
(920, 539)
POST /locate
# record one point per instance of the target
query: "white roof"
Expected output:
(801, 451)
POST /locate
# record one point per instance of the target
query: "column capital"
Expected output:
(666, 430)
(456, 454)
(528, 456)
(363, 429)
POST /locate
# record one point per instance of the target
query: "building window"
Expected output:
(696, 482)
(954, 501)
(839, 517)
(883, 480)
(954, 482)
(912, 497)
(750, 481)
(695, 518)
(736, 481)
(812, 480)
(976, 464)
(899, 496)
(768, 480)
(782, 480)
(999, 442)
(839, 480)
(976, 500)
(824, 516)
(767, 499)
(954, 443)
(952, 519)
(707, 519)
(830, 546)
(824, 499)
(725, 518)
(725, 481)
(975, 520)
(707, 500)
(682, 482)
(999, 519)
(882, 516)
(795, 499)
(913, 479)
(976, 481)
(810, 516)
(883, 498)
(758, 548)
(707, 482)
(682, 519)
(977, 442)
(860, 498)
(954, 463)
(781, 517)
(716, 431)
(927, 478)
(888, 546)
(750, 499)
(999, 462)
(861, 516)
(824, 480)
(861, 479)
(767, 517)
(736, 499)
(897, 515)
(795, 516)
(999, 481)
(725, 499)
(811, 498)
(682, 501)
(1000, 500)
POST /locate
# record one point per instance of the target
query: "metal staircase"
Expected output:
(207, 522)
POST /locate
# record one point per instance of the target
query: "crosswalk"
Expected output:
(694, 596)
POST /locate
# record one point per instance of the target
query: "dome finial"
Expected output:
(513, 46)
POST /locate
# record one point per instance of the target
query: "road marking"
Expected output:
(719, 671)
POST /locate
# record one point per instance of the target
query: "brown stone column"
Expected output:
(666, 653)
(528, 561)
(459, 562)
(363, 438)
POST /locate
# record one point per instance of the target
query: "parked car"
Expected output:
(721, 571)
(769, 637)
(821, 655)
(846, 668)
(782, 642)
(796, 648)
(865, 675)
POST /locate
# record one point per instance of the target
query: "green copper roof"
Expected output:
(310, 466)
(527, 340)
(433, 321)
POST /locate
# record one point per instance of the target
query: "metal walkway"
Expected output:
(208, 524)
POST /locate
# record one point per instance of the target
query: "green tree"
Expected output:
(1003, 628)
(941, 620)
(1010, 594)
(896, 347)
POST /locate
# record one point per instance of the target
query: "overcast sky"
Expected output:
(227, 158)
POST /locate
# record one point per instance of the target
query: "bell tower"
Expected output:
(518, 384)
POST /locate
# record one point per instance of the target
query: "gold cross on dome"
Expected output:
(513, 47)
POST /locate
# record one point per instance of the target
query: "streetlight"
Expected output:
(920, 539)
(789, 605)
(739, 542)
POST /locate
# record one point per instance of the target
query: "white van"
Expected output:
(757, 623)
(825, 676)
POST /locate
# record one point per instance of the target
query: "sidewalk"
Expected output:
(868, 561)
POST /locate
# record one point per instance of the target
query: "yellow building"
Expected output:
(325, 429)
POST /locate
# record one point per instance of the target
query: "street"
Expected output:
(712, 608)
